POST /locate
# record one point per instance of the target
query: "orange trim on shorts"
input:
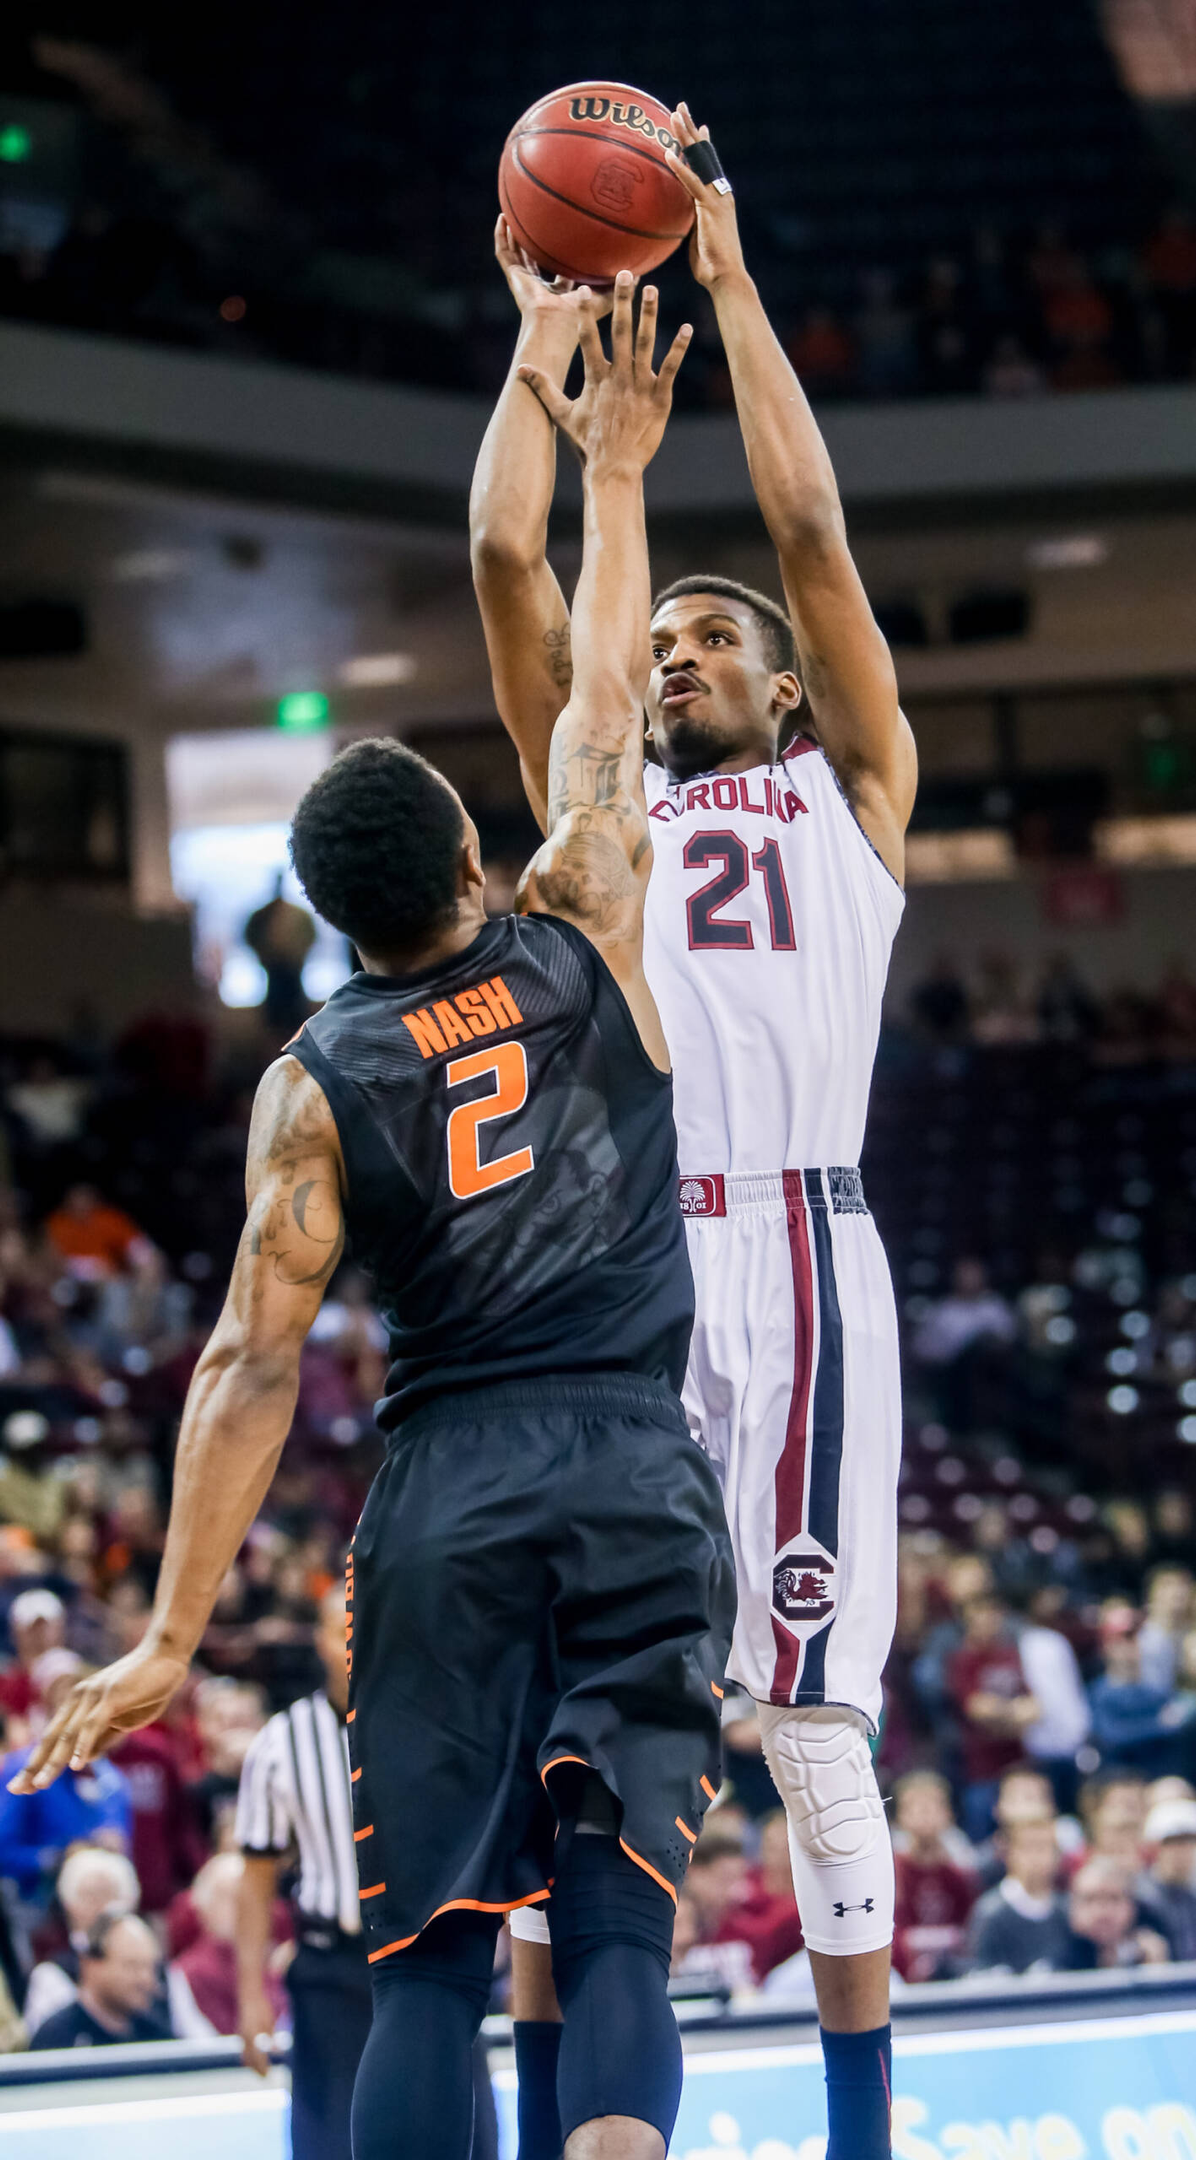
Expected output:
(716, 1690)
(353, 1776)
(555, 1764)
(349, 1716)
(375, 1890)
(461, 1904)
(648, 1869)
(707, 1788)
(359, 1834)
(685, 1830)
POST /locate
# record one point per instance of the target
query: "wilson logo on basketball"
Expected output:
(614, 185)
(802, 1587)
(620, 115)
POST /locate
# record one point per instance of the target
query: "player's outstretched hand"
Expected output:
(620, 416)
(98, 1712)
(715, 248)
(532, 292)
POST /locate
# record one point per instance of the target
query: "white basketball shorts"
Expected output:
(794, 1391)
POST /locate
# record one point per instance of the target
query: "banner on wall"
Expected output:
(1108, 2089)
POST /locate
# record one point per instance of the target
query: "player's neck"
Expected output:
(435, 951)
(761, 751)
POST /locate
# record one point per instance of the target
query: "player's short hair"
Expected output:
(376, 845)
(715, 1845)
(776, 630)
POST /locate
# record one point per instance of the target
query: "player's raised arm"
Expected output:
(238, 1413)
(594, 865)
(523, 609)
(846, 665)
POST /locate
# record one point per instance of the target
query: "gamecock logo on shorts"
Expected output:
(803, 1587)
(614, 184)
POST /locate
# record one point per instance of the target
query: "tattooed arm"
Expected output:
(238, 1413)
(593, 867)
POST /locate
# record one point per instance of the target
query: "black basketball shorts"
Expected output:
(541, 1582)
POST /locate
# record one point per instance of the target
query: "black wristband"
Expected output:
(703, 159)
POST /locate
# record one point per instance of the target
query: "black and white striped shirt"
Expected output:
(295, 1791)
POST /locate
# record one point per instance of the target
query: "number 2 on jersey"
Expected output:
(468, 1174)
(709, 929)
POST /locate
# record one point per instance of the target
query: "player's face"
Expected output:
(712, 694)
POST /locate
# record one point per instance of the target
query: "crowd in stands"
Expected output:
(997, 1008)
(1013, 316)
(1039, 1736)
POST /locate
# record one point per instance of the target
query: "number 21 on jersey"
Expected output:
(506, 1064)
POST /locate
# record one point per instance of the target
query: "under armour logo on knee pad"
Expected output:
(841, 1911)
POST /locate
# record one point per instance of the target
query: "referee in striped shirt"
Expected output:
(295, 1796)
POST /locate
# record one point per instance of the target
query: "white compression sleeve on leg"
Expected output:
(529, 1923)
(838, 1838)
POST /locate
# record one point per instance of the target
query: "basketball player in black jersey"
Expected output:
(540, 1588)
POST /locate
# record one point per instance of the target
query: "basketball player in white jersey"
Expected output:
(775, 895)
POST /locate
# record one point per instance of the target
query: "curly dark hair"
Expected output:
(376, 844)
(776, 630)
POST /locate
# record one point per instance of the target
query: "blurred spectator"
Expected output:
(940, 1004)
(118, 1982)
(1132, 1722)
(1167, 1896)
(1067, 1010)
(1021, 1925)
(91, 1881)
(1103, 1922)
(822, 354)
(202, 1981)
(1010, 372)
(1113, 1808)
(717, 1886)
(887, 351)
(1170, 1611)
(995, 1706)
(50, 1103)
(281, 935)
(961, 1341)
(167, 1845)
(766, 1917)
(1053, 1677)
(1000, 1014)
(89, 1806)
(228, 1714)
(36, 1623)
(98, 1241)
(1169, 260)
(934, 1895)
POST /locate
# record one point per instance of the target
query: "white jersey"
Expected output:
(768, 927)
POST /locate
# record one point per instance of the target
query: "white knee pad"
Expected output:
(529, 1923)
(838, 1838)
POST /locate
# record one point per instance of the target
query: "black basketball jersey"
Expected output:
(511, 1163)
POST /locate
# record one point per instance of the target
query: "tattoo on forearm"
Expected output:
(559, 645)
(588, 775)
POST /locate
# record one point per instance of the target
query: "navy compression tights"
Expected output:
(620, 2052)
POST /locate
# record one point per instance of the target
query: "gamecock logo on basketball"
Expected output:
(803, 1587)
(614, 184)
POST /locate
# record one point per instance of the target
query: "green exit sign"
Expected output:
(16, 144)
(302, 710)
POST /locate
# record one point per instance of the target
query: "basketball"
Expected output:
(584, 185)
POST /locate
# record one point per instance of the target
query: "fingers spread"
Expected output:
(621, 332)
(674, 356)
(588, 338)
(645, 339)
